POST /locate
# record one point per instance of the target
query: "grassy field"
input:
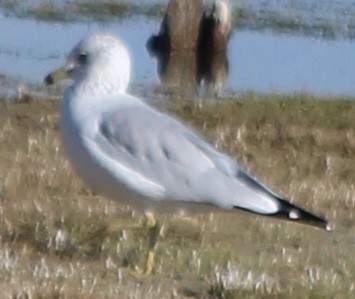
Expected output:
(60, 240)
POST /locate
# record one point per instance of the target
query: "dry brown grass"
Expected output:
(58, 239)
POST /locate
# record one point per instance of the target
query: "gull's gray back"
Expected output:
(177, 161)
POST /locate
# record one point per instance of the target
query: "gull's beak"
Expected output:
(56, 76)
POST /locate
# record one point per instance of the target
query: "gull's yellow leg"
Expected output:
(152, 225)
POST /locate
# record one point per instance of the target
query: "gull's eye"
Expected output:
(83, 57)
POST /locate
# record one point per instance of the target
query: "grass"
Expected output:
(73, 11)
(318, 27)
(60, 240)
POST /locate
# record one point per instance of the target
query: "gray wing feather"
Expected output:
(168, 155)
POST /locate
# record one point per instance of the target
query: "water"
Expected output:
(258, 61)
(30, 49)
(266, 62)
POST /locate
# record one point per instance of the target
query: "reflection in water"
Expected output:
(215, 32)
(212, 71)
(191, 47)
(259, 61)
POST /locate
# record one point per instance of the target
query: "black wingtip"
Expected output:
(286, 210)
(294, 213)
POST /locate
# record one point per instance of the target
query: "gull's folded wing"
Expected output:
(158, 157)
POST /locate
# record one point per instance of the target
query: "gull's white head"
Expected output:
(98, 64)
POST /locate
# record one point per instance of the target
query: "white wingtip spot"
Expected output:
(328, 228)
(293, 214)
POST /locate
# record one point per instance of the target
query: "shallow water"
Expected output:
(30, 49)
(258, 61)
(266, 62)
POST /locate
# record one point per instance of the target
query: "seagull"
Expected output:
(132, 153)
